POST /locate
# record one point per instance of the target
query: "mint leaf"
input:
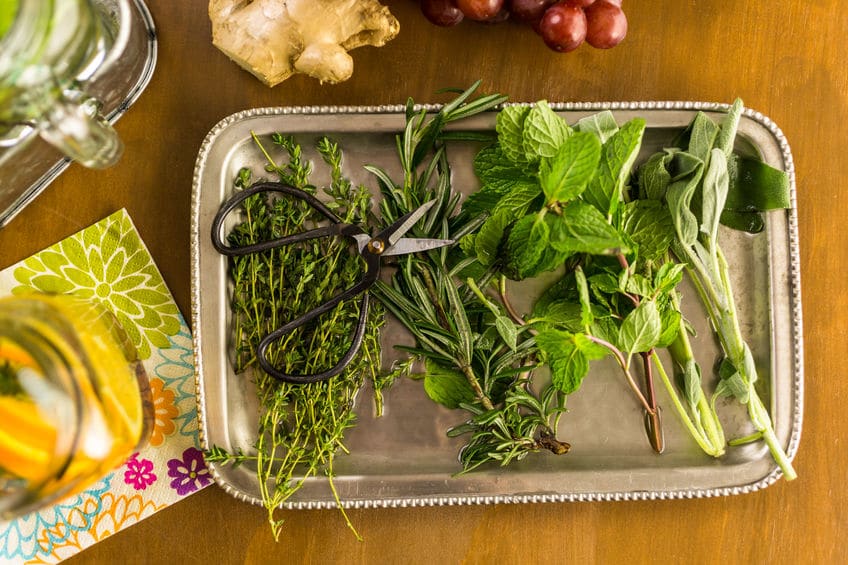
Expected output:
(488, 239)
(518, 199)
(568, 357)
(668, 276)
(565, 175)
(526, 242)
(641, 329)
(602, 124)
(619, 153)
(582, 229)
(648, 224)
(510, 127)
(670, 319)
(586, 317)
(446, 386)
(544, 132)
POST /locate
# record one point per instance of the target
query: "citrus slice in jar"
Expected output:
(28, 452)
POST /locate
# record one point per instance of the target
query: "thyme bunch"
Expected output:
(301, 427)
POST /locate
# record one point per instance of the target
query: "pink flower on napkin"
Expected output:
(189, 473)
(139, 473)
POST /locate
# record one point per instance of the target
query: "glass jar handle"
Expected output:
(75, 126)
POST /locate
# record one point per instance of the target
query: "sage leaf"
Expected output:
(702, 136)
(565, 175)
(714, 194)
(727, 132)
(602, 124)
(679, 197)
(544, 132)
(654, 177)
(641, 328)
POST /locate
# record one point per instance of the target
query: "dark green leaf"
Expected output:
(488, 239)
(568, 364)
(648, 224)
(527, 240)
(445, 386)
(583, 229)
(565, 175)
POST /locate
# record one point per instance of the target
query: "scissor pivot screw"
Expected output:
(376, 246)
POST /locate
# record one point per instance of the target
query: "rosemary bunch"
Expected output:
(476, 358)
(301, 426)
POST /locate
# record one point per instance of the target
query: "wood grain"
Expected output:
(784, 58)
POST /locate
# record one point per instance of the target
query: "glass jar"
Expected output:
(49, 50)
(74, 398)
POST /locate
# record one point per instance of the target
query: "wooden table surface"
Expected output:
(782, 57)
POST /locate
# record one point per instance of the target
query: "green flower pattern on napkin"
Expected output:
(108, 262)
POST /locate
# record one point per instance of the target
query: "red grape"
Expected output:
(480, 10)
(607, 24)
(441, 12)
(563, 27)
(529, 10)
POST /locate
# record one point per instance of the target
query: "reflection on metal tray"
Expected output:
(405, 458)
(37, 164)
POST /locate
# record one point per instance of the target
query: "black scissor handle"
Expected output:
(361, 287)
(336, 227)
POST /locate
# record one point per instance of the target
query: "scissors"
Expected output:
(389, 241)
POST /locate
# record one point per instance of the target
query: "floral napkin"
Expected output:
(109, 262)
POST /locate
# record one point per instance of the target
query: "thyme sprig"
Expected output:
(301, 427)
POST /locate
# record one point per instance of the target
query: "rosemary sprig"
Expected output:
(476, 357)
(301, 427)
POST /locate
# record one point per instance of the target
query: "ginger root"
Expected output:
(274, 39)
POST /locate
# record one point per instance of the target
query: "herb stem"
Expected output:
(625, 367)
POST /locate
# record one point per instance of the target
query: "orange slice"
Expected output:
(27, 441)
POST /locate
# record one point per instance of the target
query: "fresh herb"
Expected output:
(301, 427)
(695, 183)
(476, 357)
(560, 199)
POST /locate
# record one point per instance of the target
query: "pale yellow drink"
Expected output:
(74, 400)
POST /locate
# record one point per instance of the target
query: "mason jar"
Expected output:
(75, 401)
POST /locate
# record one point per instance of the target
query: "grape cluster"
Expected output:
(564, 25)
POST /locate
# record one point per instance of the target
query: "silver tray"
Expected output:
(405, 458)
(27, 169)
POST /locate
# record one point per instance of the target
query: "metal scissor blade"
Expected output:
(407, 245)
(404, 245)
(397, 230)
